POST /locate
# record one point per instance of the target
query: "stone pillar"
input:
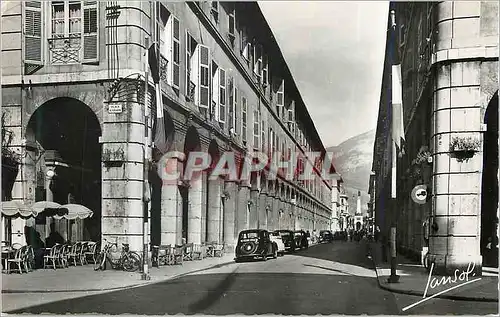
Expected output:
(254, 208)
(171, 199)
(230, 212)
(122, 176)
(242, 216)
(204, 206)
(195, 211)
(214, 210)
(270, 214)
(457, 183)
(262, 210)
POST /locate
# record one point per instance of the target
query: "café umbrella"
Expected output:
(16, 208)
(48, 208)
(74, 211)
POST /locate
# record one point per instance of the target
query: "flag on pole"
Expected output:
(397, 129)
(160, 140)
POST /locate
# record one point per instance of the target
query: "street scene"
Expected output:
(269, 157)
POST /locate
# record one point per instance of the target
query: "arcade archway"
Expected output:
(489, 191)
(190, 191)
(66, 132)
(163, 132)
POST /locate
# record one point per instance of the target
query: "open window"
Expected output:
(200, 74)
(191, 67)
(231, 20)
(214, 106)
(245, 45)
(170, 46)
(257, 67)
(280, 99)
(214, 10)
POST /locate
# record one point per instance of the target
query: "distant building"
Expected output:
(449, 58)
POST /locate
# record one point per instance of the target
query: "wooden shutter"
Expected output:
(204, 77)
(222, 96)
(33, 33)
(176, 48)
(90, 32)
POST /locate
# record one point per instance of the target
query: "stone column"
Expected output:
(230, 212)
(204, 207)
(262, 210)
(270, 214)
(254, 198)
(122, 176)
(171, 199)
(195, 211)
(214, 210)
(242, 215)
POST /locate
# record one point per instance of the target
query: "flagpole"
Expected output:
(394, 278)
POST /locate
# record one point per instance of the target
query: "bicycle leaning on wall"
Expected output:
(129, 261)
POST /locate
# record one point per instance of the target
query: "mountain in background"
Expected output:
(353, 160)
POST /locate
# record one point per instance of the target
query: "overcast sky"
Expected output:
(335, 51)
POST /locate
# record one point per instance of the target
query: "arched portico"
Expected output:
(489, 190)
(214, 203)
(191, 191)
(62, 135)
(163, 195)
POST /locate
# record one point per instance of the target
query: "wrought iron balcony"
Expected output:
(65, 50)
(163, 68)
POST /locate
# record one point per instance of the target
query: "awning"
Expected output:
(16, 208)
(40, 206)
(48, 209)
(75, 211)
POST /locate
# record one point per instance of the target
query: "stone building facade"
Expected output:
(449, 63)
(73, 96)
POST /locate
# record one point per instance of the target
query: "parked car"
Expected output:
(301, 239)
(325, 236)
(288, 238)
(276, 238)
(255, 243)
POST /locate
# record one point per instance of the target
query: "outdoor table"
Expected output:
(7, 253)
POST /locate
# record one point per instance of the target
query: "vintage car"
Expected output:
(288, 239)
(325, 236)
(255, 243)
(276, 237)
(301, 239)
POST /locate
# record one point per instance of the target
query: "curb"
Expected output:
(169, 278)
(416, 293)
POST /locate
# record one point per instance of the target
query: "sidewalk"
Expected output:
(414, 279)
(85, 279)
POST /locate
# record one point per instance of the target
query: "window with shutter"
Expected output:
(230, 101)
(176, 53)
(90, 31)
(265, 72)
(280, 99)
(256, 130)
(33, 43)
(214, 9)
(263, 136)
(244, 112)
(222, 96)
(203, 89)
(191, 67)
(214, 107)
(231, 21)
(236, 109)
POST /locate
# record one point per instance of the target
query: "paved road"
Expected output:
(332, 278)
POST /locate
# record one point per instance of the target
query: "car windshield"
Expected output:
(249, 235)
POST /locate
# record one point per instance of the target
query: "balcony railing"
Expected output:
(163, 68)
(65, 50)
